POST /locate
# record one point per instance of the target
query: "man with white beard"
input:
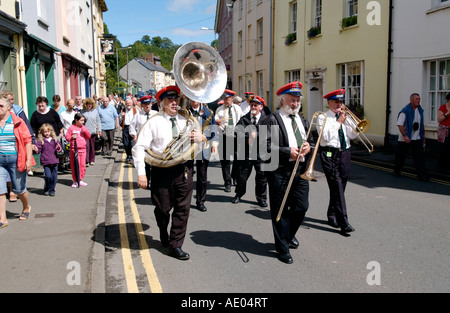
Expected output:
(292, 144)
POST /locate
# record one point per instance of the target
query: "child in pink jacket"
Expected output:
(80, 133)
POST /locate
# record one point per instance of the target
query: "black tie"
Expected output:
(341, 135)
(148, 115)
(195, 113)
(298, 136)
(254, 120)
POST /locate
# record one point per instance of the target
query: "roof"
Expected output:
(151, 66)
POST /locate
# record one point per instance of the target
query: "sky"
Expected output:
(179, 20)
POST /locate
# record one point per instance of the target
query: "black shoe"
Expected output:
(333, 223)
(347, 229)
(227, 188)
(285, 258)
(179, 254)
(294, 243)
(201, 207)
(262, 203)
(236, 200)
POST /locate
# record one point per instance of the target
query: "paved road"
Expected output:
(103, 238)
(400, 243)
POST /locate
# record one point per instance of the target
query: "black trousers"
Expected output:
(227, 149)
(295, 209)
(418, 156)
(445, 154)
(127, 140)
(202, 180)
(244, 170)
(172, 188)
(336, 167)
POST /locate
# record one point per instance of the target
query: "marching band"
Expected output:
(185, 131)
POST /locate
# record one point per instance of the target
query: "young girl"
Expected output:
(48, 145)
(81, 134)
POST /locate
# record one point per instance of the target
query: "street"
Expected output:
(104, 238)
(400, 244)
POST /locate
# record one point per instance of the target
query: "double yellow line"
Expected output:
(130, 274)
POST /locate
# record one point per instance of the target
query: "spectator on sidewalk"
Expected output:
(48, 145)
(444, 126)
(79, 133)
(43, 115)
(57, 106)
(15, 158)
(410, 123)
(94, 125)
(109, 123)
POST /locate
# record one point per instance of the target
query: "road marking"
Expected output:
(130, 274)
(155, 286)
(377, 167)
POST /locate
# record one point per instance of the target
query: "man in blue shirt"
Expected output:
(110, 121)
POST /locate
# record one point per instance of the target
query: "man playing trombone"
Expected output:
(335, 158)
(292, 145)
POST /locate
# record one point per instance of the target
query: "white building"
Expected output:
(420, 61)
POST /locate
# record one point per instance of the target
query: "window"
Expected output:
(3, 83)
(42, 9)
(241, 8)
(240, 45)
(352, 8)
(260, 76)
(318, 13)
(67, 77)
(293, 28)
(293, 76)
(438, 87)
(352, 80)
(439, 3)
(42, 78)
(249, 34)
(260, 31)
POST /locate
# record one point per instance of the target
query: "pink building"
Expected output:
(223, 27)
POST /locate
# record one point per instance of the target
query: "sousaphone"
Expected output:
(201, 75)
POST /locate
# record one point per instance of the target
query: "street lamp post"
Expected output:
(117, 60)
(206, 28)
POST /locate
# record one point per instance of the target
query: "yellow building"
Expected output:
(336, 44)
(251, 47)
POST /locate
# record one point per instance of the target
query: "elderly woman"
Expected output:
(15, 158)
(45, 114)
(94, 125)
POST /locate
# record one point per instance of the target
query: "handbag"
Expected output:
(442, 133)
(61, 151)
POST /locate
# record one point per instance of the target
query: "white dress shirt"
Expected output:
(139, 120)
(287, 120)
(330, 135)
(155, 136)
(222, 115)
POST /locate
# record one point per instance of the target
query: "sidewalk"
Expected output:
(386, 158)
(58, 249)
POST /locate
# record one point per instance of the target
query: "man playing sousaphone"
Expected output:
(171, 187)
(292, 144)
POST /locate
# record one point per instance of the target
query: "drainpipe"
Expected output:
(271, 57)
(387, 139)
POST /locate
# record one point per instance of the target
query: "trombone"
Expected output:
(308, 175)
(360, 127)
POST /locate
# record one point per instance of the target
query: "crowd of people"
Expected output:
(63, 136)
(232, 134)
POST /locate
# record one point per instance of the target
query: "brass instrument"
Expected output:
(308, 175)
(360, 127)
(200, 72)
(201, 75)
